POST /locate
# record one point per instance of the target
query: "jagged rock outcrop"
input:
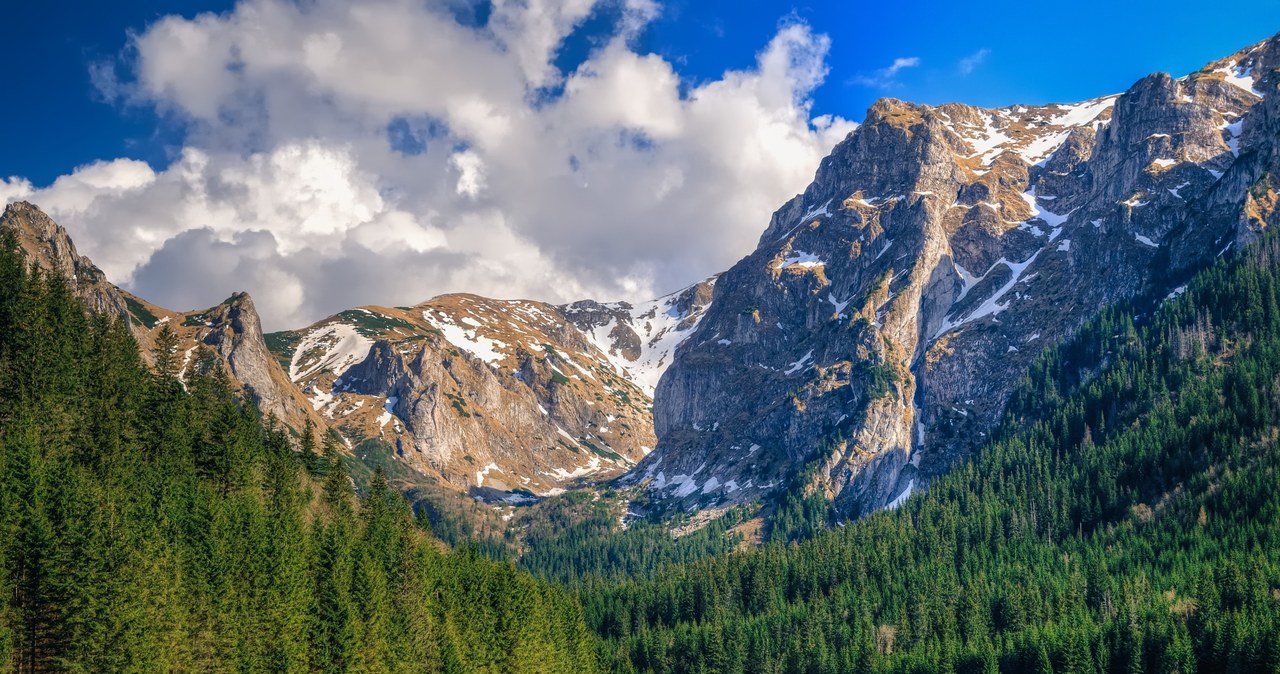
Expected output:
(233, 330)
(876, 332)
(871, 339)
(48, 245)
(504, 399)
(640, 340)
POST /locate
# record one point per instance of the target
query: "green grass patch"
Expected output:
(601, 452)
(282, 345)
(372, 324)
(140, 313)
(459, 404)
(371, 453)
(195, 321)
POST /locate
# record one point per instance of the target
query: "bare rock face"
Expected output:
(869, 342)
(48, 245)
(233, 330)
(876, 332)
(506, 400)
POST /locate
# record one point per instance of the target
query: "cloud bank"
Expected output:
(341, 153)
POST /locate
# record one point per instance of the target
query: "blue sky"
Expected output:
(324, 154)
(1028, 53)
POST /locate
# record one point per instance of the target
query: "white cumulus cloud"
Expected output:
(381, 151)
(971, 62)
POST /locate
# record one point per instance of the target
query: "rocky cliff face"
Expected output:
(505, 399)
(233, 330)
(869, 341)
(874, 335)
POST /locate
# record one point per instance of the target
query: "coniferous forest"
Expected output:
(153, 525)
(1124, 518)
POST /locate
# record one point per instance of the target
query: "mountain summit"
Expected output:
(232, 330)
(888, 311)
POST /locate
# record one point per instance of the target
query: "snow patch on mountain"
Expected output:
(468, 340)
(1033, 139)
(661, 326)
(992, 305)
(480, 474)
(1240, 77)
(902, 498)
(799, 258)
(334, 347)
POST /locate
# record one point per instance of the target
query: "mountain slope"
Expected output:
(641, 340)
(486, 394)
(232, 329)
(48, 246)
(1124, 518)
(888, 311)
(148, 528)
(506, 399)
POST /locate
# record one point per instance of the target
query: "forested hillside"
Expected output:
(1125, 518)
(149, 524)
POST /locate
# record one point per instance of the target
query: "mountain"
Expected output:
(868, 343)
(232, 329)
(889, 310)
(1122, 517)
(506, 399)
(153, 524)
(503, 398)
(48, 246)
(641, 340)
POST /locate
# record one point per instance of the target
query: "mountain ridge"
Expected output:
(879, 325)
(1016, 224)
(507, 401)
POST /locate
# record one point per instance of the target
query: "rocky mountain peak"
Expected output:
(868, 342)
(889, 309)
(41, 237)
(233, 330)
(505, 399)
